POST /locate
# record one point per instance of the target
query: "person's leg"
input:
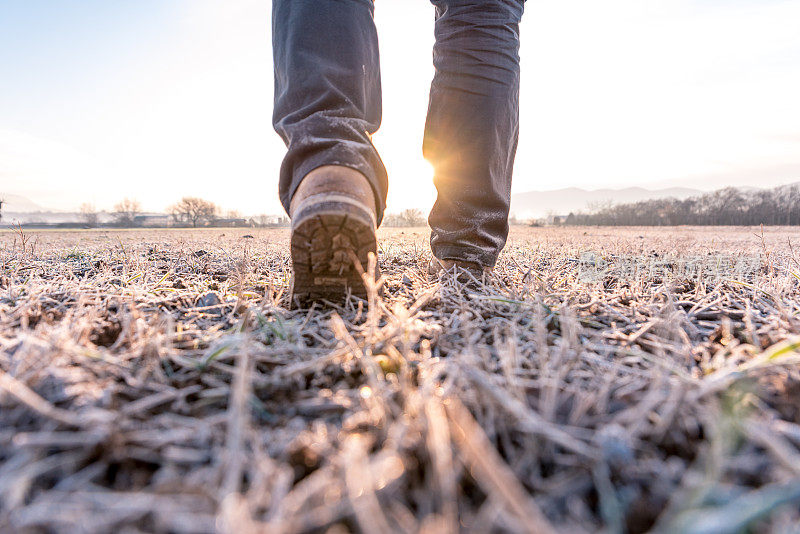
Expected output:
(327, 105)
(327, 90)
(472, 127)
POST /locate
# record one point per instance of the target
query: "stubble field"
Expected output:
(616, 379)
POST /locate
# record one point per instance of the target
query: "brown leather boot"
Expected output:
(333, 231)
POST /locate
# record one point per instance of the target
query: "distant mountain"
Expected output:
(19, 204)
(563, 201)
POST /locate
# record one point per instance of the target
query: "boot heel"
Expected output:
(331, 234)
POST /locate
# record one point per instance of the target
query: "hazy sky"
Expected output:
(154, 99)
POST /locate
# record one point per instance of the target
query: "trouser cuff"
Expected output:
(466, 253)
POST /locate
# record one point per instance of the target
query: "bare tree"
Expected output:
(596, 206)
(88, 214)
(728, 206)
(126, 211)
(194, 210)
(413, 217)
(1, 208)
(409, 217)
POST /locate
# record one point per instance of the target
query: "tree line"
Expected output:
(189, 211)
(196, 212)
(728, 206)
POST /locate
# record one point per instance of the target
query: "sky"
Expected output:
(157, 99)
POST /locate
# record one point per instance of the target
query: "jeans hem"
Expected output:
(466, 253)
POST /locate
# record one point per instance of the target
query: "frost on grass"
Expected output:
(625, 379)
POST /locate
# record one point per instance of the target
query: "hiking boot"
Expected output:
(333, 231)
(468, 273)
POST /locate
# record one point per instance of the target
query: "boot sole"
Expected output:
(332, 237)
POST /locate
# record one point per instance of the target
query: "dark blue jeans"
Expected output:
(328, 104)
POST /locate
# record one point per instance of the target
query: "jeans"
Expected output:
(328, 105)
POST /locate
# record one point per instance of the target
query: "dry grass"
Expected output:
(155, 381)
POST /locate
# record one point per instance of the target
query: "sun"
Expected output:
(410, 175)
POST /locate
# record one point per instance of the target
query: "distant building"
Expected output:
(234, 222)
(269, 220)
(156, 220)
(556, 220)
